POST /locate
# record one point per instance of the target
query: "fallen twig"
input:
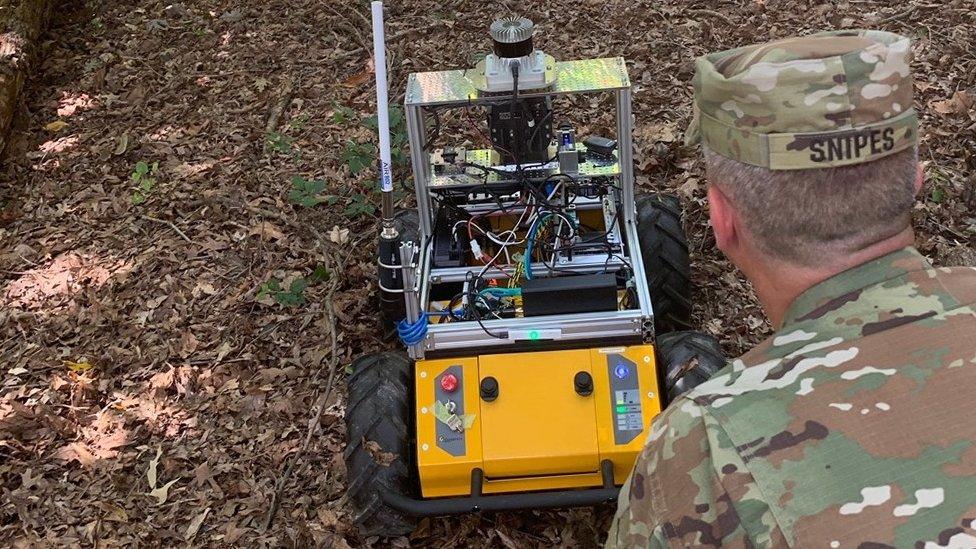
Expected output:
(323, 398)
(713, 13)
(898, 15)
(254, 209)
(171, 225)
(390, 39)
(366, 22)
(356, 34)
(286, 92)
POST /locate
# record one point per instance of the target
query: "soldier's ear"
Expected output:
(721, 214)
(919, 178)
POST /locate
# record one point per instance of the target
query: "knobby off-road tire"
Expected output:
(687, 360)
(392, 307)
(379, 411)
(664, 248)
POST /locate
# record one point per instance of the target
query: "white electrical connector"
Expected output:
(475, 248)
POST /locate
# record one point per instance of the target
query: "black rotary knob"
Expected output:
(489, 389)
(583, 382)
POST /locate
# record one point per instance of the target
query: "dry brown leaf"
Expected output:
(162, 493)
(266, 230)
(202, 474)
(56, 126)
(358, 79)
(959, 103)
(113, 513)
(379, 456)
(232, 533)
(109, 442)
(222, 351)
(153, 464)
(338, 236)
(688, 188)
(666, 133)
(163, 380)
(121, 144)
(195, 524)
(206, 288)
(76, 451)
(188, 344)
(82, 366)
(327, 517)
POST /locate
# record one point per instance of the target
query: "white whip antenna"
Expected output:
(382, 101)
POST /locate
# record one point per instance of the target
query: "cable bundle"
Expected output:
(413, 333)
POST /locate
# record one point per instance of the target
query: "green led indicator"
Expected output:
(533, 334)
(621, 409)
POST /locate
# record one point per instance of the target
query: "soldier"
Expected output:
(853, 425)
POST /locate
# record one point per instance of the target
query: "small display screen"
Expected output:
(627, 397)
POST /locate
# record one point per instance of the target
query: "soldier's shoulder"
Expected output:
(956, 285)
(774, 369)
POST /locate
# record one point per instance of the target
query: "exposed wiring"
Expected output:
(502, 292)
(483, 135)
(535, 131)
(536, 222)
(472, 283)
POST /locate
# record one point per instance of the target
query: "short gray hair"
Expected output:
(811, 216)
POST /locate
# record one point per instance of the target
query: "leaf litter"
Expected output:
(202, 152)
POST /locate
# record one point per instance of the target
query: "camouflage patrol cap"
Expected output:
(818, 101)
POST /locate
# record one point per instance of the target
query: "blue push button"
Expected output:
(621, 371)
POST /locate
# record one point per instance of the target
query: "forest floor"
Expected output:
(187, 226)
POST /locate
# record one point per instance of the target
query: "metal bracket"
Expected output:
(411, 292)
(506, 502)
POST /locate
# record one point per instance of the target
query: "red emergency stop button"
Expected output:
(449, 383)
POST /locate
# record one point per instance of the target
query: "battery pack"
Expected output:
(569, 294)
(600, 146)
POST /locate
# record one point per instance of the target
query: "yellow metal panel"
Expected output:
(624, 455)
(554, 482)
(442, 474)
(538, 425)
(539, 434)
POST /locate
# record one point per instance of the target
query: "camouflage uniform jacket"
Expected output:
(853, 426)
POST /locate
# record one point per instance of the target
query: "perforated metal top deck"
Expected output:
(460, 87)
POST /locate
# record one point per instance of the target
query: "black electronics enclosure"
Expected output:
(569, 294)
(449, 250)
(600, 146)
(521, 132)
